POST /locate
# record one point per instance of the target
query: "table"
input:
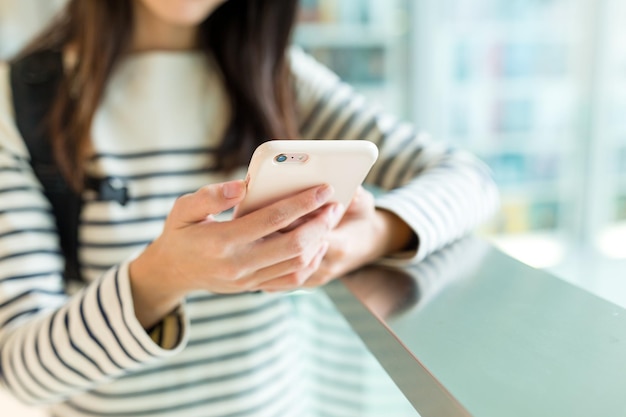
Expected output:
(472, 331)
(467, 332)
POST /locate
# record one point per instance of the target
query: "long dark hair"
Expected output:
(247, 38)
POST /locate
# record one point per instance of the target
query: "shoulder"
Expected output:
(10, 138)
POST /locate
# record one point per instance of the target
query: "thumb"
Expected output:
(209, 200)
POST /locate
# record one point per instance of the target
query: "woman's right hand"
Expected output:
(196, 252)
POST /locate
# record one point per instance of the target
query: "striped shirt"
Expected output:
(162, 117)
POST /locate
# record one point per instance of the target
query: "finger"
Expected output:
(302, 220)
(277, 216)
(362, 198)
(333, 265)
(296, 278)
(296, 243)
(208, 200)
(335, 217)
(287, 267)
(320, 277)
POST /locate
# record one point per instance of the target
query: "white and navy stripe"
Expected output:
(86, 354)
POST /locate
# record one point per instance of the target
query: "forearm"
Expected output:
(93, 338)
(395, 234)
(153, 298)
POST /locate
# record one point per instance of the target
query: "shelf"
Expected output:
(513, 18)
(313, 35)
(486, 32)
(524, 86)
(532, 191)
(526, 143)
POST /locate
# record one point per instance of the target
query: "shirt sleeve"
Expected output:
(441, 192)
(52, 345)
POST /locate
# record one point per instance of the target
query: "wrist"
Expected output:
(153, 296)
(396, 234)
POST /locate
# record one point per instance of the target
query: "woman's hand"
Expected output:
(195, 252)
(363, 235)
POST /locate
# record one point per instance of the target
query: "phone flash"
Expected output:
(302, 157)
(295, 158)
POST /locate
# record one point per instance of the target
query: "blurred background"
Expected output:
(536, 88)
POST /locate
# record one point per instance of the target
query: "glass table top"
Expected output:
(467, 332)
(341, 377)
(471, 331)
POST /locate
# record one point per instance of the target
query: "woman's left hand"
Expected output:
(363, 235)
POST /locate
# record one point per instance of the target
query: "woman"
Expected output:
(178, 314)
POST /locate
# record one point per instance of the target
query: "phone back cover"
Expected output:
(342, 163)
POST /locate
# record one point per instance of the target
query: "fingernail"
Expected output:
(233, 189)
(324, 193)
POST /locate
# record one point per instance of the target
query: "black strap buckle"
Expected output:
(113, 189)
(109, 189)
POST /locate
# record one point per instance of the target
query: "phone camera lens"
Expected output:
(281, 158)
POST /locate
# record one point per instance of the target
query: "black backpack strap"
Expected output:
(35, 81)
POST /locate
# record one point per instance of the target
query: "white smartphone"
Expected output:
(281, 168)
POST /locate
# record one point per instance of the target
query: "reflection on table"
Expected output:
(341, 377)
(376, 295)
(472, 331)
(296, 357)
